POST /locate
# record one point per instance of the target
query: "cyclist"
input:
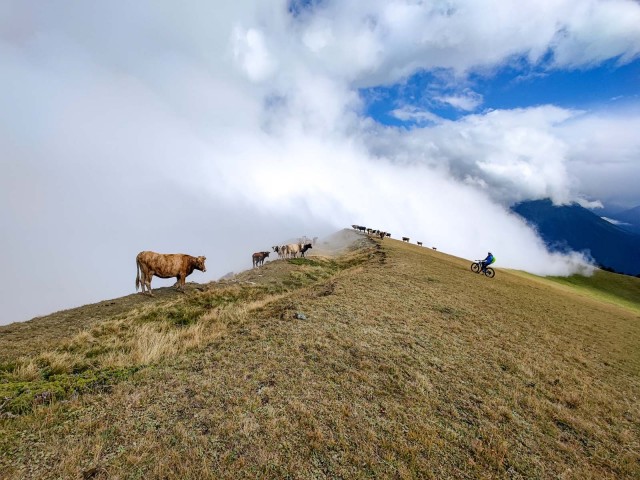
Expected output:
(487, 261)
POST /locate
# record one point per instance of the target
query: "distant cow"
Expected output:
(405, 239)
(382, 235)
(304, 248)
(258, 258)
(419, 244)
(434, 248)
(388, 234)
(169, 265)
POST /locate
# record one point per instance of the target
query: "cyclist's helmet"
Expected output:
(490, 253)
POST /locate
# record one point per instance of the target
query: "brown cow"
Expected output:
(169, 265)
(258, 258)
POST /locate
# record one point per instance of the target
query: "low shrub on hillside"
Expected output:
(18, 398)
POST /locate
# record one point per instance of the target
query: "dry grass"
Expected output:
(407, 366)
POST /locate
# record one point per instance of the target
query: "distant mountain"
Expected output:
(631, 216)
(629, 219)
(572, 227)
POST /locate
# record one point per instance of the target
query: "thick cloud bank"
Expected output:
(221, 130)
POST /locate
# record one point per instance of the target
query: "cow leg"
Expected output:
(146, 282)
(148, 279)
(143, 279)
(143, 282)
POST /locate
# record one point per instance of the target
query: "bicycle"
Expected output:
(488, 271)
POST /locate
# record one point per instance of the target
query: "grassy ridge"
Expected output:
(620, 289)
(133, 335)
(406, 366)
(602, 286)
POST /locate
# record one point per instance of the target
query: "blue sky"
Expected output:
(513, 86)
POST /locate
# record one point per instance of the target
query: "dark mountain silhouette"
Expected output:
(630, 219)
(572, 227)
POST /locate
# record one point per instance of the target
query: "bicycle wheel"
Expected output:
(475, 268)
(489, 272)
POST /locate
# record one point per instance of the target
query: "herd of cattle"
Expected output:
(381, 234)
(180, 266)
(371, 231)
(290, 250)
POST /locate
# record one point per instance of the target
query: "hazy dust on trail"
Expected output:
(340, 242)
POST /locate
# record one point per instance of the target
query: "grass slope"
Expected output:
(407, 366)
(610, 287)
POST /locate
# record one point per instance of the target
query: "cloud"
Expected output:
(252, 54)
(615, 222)
(511, 155)
(583, 202)
(467, 100)
(381, 42)
(604, 152)
(415, 114)
(597, 31)
(223, 129)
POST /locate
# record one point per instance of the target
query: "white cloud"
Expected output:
(615, 222)
(380, 42)
(415, 114)
(511, 155)
(467, 100)
(251, 53)
(590, 204)
(596, 31)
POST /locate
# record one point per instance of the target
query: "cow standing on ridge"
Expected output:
(258, 258)
(293, 249)
(169, 265)
(305, 247)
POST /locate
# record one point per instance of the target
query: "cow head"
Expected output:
(200, 264)
(276, 248)
(266, 254)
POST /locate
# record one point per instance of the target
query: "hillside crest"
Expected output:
(402, 363)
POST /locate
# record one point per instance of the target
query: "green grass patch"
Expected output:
(19, 398)
(305, 261)
(614, 288)
(193, 307)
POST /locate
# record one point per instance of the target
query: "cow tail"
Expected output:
(137, 274)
